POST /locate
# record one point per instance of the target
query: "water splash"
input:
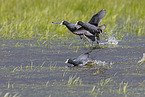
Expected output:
(100, 63)
(108, 40)
(112, 40)
(103, 64)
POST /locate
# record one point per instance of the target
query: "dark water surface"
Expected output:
(27, 69)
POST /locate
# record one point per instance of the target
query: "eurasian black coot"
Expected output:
(81, 60)
(78, 30)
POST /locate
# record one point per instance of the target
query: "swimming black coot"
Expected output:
(81, 60)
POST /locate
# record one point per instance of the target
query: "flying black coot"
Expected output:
(78, 30)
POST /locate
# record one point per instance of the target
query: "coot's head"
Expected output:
(68, 61)
(79, 23)
(64, 23)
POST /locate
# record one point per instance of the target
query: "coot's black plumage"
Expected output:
(92, 25)
(95, 30)
(91, 28)
(97, 17)
(78, 30)
(80, 61)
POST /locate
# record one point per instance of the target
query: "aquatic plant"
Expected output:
(102, 83)
(93, 89)
(123, 87)
(142, 60)
(8, 94)
(74, 81)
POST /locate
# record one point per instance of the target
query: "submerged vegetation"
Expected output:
(27, 19)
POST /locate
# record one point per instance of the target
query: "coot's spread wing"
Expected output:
(87, 34)
(90, 27)
(82, 31)
(96, 19)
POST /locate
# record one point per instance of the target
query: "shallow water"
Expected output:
(31, 69)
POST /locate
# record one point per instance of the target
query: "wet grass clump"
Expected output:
(33, 19)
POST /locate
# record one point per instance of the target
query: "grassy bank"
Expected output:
(27, 19)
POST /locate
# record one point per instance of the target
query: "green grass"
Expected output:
(25, 19)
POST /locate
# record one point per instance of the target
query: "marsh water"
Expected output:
(32, 69)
